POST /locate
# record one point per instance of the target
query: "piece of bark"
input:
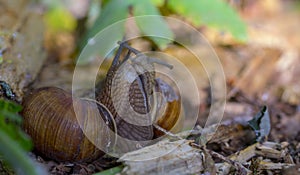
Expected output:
(166, 158)
(270, 150)
(244, 155)
(266, 165)
(266, 150)
(21, 44)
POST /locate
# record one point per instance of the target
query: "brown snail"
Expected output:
(57, 133)
(50, 119)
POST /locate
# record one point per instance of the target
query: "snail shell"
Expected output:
(168, 110)
(50, 119)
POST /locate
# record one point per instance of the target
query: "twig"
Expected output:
(167, 132)
(243, 170)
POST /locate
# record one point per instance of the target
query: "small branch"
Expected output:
(167, 132)
(243, 170)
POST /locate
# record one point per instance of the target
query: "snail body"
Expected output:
(117, 89)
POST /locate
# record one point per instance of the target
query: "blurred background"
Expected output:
(257, 42)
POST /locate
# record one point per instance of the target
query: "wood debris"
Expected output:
(165, 157)
(179, 157)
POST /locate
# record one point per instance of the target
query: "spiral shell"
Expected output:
(57, 133)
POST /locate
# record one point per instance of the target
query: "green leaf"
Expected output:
(11, 117)
(157, 2)
(101, 44)
(60, 19)
(153, 25)
(9, 106)
(14, 142)
(93, 12)
(10, 123)
(113, 11)
(1, 57)
(111, 171)
(261, 124)
(214, 13)
(116, 11)
(16, 157)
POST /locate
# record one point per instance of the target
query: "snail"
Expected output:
(49, 118)
(57, 133)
